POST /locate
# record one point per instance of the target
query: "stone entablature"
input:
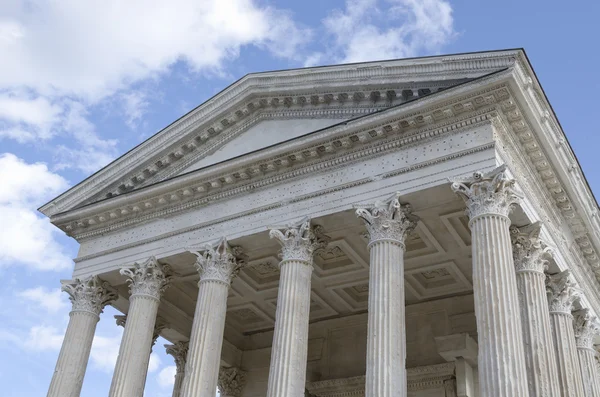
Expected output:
(418, 379)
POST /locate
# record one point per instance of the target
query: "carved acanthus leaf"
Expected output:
(388, 219)
(300, 241)
(231, 381)
(90, 294)
(148, 279)
(179, 352)
(485, 194)
(586, 328)
(529, 251)
(562, 292)
(219, 263)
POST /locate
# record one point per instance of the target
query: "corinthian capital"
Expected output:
(148, 279)
(219, 263)
(586, 328)
(179, 352)
(530, 253)
(231, 381)
(491, 193)
(90, 294)
(388, 219)
(300, 241)
(562, 292)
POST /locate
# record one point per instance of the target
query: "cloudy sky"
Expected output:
(81, 82)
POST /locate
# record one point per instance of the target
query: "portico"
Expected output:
(374, 230)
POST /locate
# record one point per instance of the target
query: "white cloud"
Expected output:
(62, 57)
(30, 239)
(52, 300)
(154, 363)
(372, 30)
(166, 376)
(42, 337)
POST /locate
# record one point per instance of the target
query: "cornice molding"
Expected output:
(297, 81)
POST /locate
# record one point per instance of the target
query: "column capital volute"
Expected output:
(530, 253)
(388, 220)
(89, 294)
(586, 328)
(231, 381)
(300, 241)
(491, 193)
(179, 351)
(149, 278)
(562, 292)
(220, 262)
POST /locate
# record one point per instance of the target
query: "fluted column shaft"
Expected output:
(386, 335)
(289, 352)
(586, 328)
(561, 295)
(388, 222)
(540, 356)
(89, 297)
(147, 282)
(489, 198)
(530, 256)
(179, 352)
(217, 266)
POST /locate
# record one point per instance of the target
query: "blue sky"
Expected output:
(83, 82)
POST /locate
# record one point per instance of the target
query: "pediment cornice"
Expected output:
(318, 87)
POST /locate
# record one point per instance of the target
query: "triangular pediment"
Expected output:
(266, 109)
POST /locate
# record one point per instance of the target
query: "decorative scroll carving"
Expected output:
(491, 193)
(562, 292)
(219, 263)
(300, 241)
(529, 251)
(388, 220)
(149, 278)
(231, 381)
(586, 328)
(90, 294)
(179, 352)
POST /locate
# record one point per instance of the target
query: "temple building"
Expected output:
(414, 227)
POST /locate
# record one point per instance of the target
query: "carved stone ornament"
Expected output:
(450, 387)
(179, 352)
(219, 263)
(485, 194)
(231, 381)
(148, 279)
(586, 328)
(388, 220)
(90, 294)
(562, 292)
(121, 319)
(300, 241)
(530, 253)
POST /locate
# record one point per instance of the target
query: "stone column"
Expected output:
(231, 382)
(88, 297)
(289, 353)
(586, 328)
(531, 255)
(388, 223)
(147, 282)
(561, 296)
(217, 266)
(179, 352)
(489, 198)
